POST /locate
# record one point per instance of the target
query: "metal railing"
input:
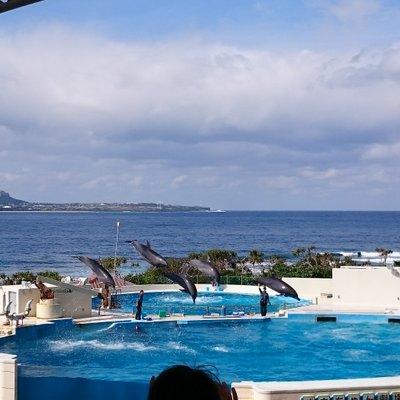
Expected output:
(207, 310)
(225, 280)
(228, 309)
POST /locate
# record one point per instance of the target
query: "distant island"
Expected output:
(8, 203)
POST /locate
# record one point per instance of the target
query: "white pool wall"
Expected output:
(341, 388)
(8, 377)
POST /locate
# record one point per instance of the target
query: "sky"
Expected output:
(227, 104)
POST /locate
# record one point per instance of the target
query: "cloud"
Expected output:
(179, 180)
(87, 118)
(382, 151)
(322, 175)
(350, 10)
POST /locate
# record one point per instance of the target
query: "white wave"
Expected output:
(169, 298)
(343, 333)
(368, 254)
(209, 299)
(220, 349)
(180, 347)
(71, 345)
(357, 354)
(178, 299)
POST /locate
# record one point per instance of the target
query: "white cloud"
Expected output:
(278, 182)
(382, 151)
(86, 118)
(179, 180)
(328, 174)
(350, 10)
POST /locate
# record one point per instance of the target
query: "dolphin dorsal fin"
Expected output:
(148, 244)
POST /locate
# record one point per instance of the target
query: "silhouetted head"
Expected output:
(183, 383)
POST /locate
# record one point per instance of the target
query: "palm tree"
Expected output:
(255, 257)
(383, 253)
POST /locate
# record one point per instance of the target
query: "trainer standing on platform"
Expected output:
(139, 303)
(264, 300)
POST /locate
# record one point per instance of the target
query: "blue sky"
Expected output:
(266, 105)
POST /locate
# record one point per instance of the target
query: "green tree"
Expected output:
(196, 256)
(153, 275)
(310, 264)
(175, 265)
(222, 259)
(51, 274)
(111, 263)
(255, 257)
(383, 253)
(26, 276)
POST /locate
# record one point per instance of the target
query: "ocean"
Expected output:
(39, 241)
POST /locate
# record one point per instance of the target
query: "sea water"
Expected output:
(38, 241)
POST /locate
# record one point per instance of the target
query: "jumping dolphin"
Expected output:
(206, 268)
(149, 254)
(184, 281)
(101, 273)
(279, 286)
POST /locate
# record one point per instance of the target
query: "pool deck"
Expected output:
(344, 309)
(107, 315)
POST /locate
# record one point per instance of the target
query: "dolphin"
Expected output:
(149, 254)
(101, 273)
(184, 281)
(206, 268)
(279, 286)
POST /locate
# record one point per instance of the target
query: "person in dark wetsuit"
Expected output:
(139, 303)
(264, 300)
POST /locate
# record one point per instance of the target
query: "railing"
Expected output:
(202, 310)
(208, 310)
(225, 280)
(228, 309)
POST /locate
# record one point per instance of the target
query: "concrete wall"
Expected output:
(378, 388)
(352, 286)
(73, 304)
(366, 286)
(317, 290)
(8, 377)
(20, 295)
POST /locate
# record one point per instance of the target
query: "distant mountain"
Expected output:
(8, 203)
(7, 200)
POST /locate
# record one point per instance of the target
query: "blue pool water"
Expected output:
(260, 350)
(206, 303)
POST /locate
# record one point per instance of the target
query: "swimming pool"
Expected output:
(280, 349)
(111, 359)
(206, 303)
